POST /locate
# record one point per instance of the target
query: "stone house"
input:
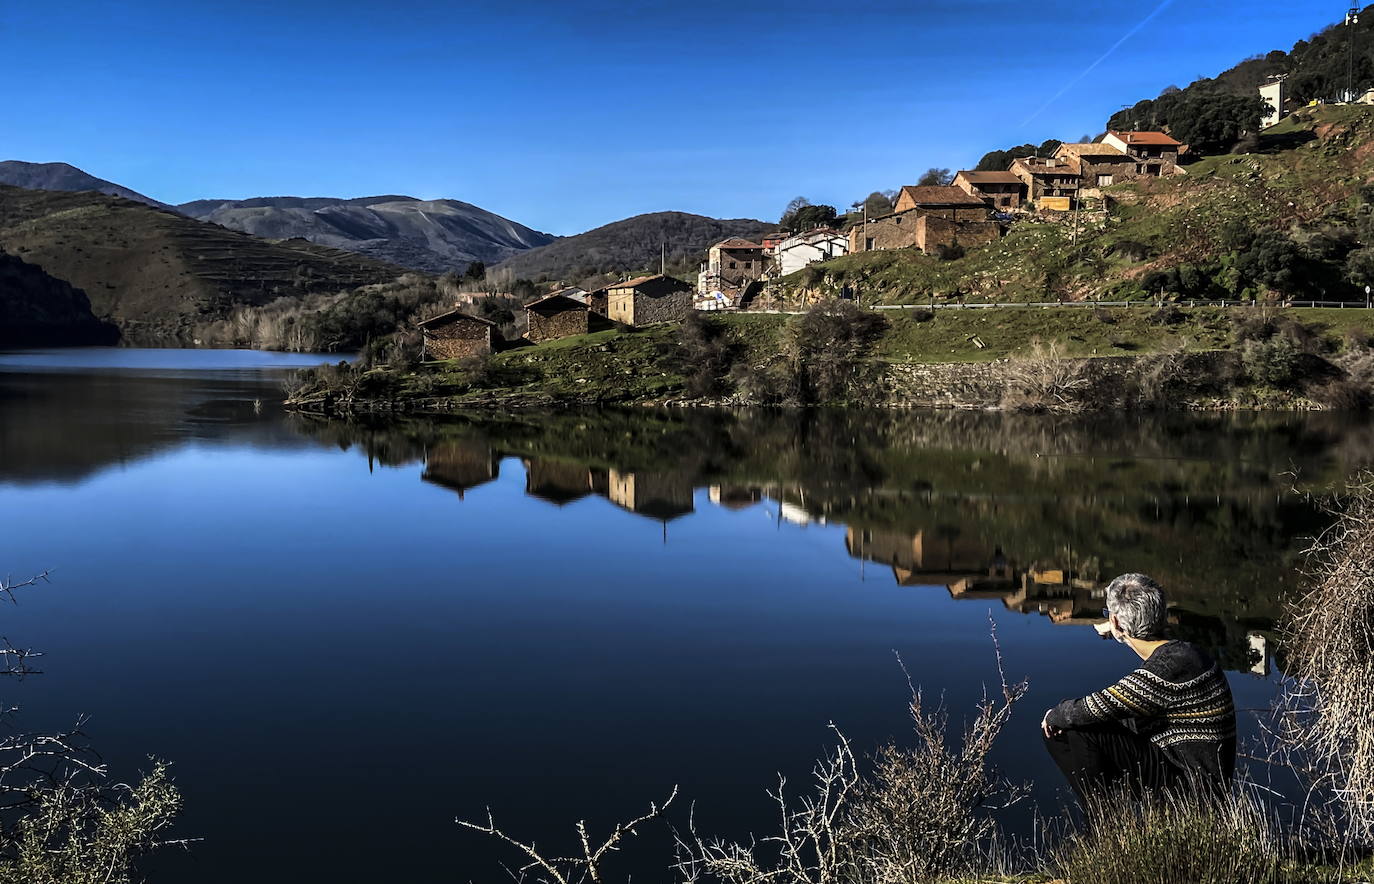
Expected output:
(648, 299)
(1002, 191)
(597, 301)
(1155, 153)
(730, 267)
(556, 316)
(928, 232)
(943, 201)
(660, 495)
(457, 335)
(1097, 165)
(1050, 183)
(802, 249)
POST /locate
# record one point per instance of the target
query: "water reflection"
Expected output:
(1035, 513)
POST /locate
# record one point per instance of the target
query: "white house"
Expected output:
(797, 251)
(1275, 94)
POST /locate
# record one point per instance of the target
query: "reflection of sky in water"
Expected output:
(335, 652)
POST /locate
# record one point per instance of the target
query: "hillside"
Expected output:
(430, 235)
(61, 176)
(1294, 219)
(38, 310)
(631, 245)
(159, 275)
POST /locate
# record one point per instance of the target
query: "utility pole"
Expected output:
(1352, 18)
(663, 259)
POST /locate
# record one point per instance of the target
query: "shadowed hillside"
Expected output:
(430, 235)
(38, 310)
(157, 274)
(631, 245)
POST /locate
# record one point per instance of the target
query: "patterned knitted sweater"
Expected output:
(1179, 699)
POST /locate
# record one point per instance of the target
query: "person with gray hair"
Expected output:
(1170, 723)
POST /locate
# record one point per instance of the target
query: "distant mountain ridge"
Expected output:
(159, 275)
(429, 235)
(62, 176)
(631, 245)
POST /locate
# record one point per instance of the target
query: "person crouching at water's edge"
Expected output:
(1170, 724)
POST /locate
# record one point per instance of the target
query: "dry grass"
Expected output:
(1190, 839)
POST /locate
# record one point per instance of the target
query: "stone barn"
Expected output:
(456, 335)
(556, 316)
(649, 299)
(596, 302)
(1002, 191)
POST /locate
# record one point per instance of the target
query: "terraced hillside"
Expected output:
(159, 275)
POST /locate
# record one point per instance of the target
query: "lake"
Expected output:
(345, 635)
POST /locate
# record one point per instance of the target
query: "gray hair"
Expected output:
(1138, 604)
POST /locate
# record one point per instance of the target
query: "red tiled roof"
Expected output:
(737, 243)
(1147, 138)
(976, 177)
(939, 195)
(452, 316)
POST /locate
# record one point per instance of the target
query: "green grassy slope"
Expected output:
(1307, 180)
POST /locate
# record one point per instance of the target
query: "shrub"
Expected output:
(1102, 314)
(1326, 712)
(951, 252)
(829, 346)
(1168, 314)
(1044, 380)
(1272, 361)
(705, 355)
(921, 314)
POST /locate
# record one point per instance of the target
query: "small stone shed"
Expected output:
(457, 335)
(556, 316)
(649, 299)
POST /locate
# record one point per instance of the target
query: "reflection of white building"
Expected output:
(1259, 652)
(790, 512)
(796, 252)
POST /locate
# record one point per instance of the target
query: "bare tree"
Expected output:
(570, 869)
(62, 821)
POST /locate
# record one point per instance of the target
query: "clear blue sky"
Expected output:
(568, 115)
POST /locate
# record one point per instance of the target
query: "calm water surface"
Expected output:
(345, 635)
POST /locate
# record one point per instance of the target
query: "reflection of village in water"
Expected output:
(939, 556)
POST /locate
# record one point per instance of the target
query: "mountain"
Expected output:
(160, 275)
(429, 235)
(61, 176)
(630, 245)
(39, 310)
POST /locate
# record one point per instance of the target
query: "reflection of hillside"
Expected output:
(65, 426)
(1034, 511)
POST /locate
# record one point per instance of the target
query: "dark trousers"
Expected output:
(1108, 759)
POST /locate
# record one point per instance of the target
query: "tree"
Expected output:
(788, 220)
(476, 270)
(1215, 122)
(935, 176)
(876, 204)
(808, 217)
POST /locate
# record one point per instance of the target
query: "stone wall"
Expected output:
(932, 233)
(458, 340)
(545, 325)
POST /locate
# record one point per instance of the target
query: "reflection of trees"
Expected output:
(1202, 501)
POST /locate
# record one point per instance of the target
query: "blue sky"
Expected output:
(568, 115)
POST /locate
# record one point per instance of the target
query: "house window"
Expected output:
(1004, 201)
(1104, 181)
(868, 244)
(897, 220)
(732, 265)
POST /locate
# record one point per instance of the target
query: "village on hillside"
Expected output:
(975, 208)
